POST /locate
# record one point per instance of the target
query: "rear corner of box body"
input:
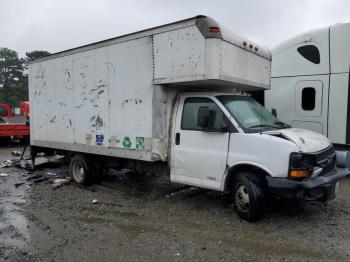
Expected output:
(99, 101)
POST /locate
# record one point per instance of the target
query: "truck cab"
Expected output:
(229, 142)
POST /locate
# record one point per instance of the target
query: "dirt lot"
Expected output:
(150, 219)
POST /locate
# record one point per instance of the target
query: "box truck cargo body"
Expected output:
(169, 98)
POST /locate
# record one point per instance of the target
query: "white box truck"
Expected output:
(169, 99)
(310, 85)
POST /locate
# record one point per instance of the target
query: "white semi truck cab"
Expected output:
(310, 84)
(171, 99)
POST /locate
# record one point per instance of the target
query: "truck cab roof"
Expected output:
(319, 51)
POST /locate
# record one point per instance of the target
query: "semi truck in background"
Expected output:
(169, 100)
(310, 85)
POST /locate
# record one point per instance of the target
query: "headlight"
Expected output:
(298, 166)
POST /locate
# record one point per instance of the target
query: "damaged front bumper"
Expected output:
(320, 188)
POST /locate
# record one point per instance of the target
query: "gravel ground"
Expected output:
(151, 219)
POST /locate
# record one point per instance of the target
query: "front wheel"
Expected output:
(248, 196)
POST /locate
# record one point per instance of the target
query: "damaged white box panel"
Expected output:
(114, 97)
(185, 56)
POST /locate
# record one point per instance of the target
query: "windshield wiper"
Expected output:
(282, 124)
(264, 125)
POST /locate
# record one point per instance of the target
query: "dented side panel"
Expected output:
(59, 101)
(131, 88)
(91, 97)
(100, 98)
(179, 56)
(38, 101)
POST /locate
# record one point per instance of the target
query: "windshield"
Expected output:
(252, 116)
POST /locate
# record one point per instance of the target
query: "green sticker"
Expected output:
(140, 142)
(126, 142)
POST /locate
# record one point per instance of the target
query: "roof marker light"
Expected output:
(214, 29)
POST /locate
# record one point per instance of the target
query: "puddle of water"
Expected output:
(13, 223)
(96, 220)
(125, 214)
(133, 230)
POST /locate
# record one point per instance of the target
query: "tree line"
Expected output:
(14, 75)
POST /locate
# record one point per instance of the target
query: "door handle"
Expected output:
(177, 139)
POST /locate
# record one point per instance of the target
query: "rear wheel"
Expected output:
(249, 199)
(80, 170)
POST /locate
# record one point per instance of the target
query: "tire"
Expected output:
(248, 197)
(80, 169)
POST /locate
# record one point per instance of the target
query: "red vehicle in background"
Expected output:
(12, 125)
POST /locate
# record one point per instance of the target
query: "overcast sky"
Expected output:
(56, 25)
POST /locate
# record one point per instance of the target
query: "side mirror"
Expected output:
(274, 111)
(203, 118)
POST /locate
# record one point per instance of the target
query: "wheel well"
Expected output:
(257, 174)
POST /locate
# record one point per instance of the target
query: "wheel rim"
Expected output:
(242, 197)
(78, 172)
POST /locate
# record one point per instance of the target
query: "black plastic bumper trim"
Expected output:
(320, 181)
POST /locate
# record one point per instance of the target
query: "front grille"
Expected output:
(326, 159)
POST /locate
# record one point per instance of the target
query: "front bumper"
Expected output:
(318, 188)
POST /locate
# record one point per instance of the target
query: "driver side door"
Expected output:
(199, 156)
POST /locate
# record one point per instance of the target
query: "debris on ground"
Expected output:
(39, 180)
(94, 201)
(33, 177)
(26, 164)
(25, 173)
(42, 154)
(59, 182)
(43, 159)
(16, 153)
(19, 184)
(3, 175)
(7, 163)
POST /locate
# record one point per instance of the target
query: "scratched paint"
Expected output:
(85, 103)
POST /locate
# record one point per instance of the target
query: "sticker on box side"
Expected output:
(88, 138)
(99, 140)
(113, 141)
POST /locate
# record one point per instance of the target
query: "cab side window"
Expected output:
(308, 98)
(310, 52)
(190, 114)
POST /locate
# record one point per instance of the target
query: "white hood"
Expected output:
(307, 141)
